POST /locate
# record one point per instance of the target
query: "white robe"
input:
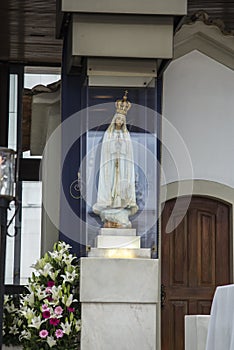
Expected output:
(116, 186)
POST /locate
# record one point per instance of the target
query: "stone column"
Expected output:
(119, 295)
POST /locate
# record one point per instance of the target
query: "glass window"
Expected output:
(12, 143)
(12, 134)
(30, 232)
(31, 227)
(27, 244)
(10, 248)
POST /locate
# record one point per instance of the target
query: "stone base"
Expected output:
(117, 232)
(196, 329)
(118, 253)
(118, 326)
(119, 280)
(119, 303)
(118, 241)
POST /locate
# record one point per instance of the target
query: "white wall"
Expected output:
(199, 102)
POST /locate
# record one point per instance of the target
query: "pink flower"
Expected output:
(54, 321)
(48, 290)
(45, 307)
(58, 310)
(50, 284)
(59, 333)
(49, 299)
(71, 309)
(46, 314)
(44, 333)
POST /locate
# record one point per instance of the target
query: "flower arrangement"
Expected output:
(51, 310)
(12, 321)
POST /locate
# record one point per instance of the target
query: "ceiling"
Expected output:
(27, 28)
(27, 32)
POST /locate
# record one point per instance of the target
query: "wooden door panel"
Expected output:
(206, 248)
(179, 256)
(203, 307)
(195, 259)
(177, 310)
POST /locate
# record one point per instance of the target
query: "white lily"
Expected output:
(39, 264)
(66, 327)
(52, 275)
(55, 292)
(13, 329)
(64, 246)
(41, 294)
(10, 307)
(68, 259)
(56, 255)
(25, 335)
(29, 299)
(68, 301)
(28, 313)
(70, 276)
(36, 322)
(51, 341)
(45, 271)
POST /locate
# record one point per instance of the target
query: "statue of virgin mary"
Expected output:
(116, 197)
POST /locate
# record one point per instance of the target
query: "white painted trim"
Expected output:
(200, 187)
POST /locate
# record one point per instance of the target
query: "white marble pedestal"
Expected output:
(196, 329)
(119, 301)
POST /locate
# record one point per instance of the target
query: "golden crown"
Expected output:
(123, 106)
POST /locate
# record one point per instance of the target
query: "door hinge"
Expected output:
(163, 295)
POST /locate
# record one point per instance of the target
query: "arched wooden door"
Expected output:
(196, 257)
